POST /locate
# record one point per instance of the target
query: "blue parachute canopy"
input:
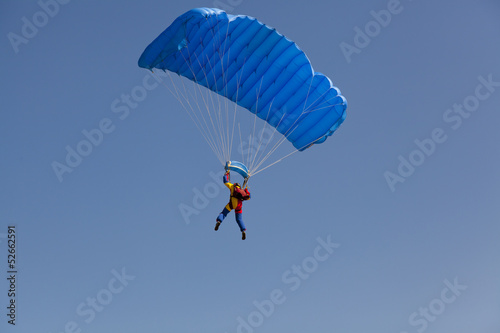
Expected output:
(254, 66)
(237, 167)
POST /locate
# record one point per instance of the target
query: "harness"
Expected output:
(239, 195)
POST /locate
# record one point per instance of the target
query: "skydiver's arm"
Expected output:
(226, 180)
(248, 192)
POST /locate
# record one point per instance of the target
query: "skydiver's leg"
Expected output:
(239, 220)
(223, 214)
(221, 217)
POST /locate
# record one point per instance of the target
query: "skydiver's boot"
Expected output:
(217, 225)
(243, 235)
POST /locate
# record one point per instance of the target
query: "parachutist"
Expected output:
(237, 196)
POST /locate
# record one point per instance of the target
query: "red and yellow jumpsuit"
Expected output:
(234, 203)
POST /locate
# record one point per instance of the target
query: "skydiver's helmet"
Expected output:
(237, 184)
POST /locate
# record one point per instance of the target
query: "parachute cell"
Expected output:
(256, 67)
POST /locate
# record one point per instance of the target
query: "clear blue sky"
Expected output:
(107, 249)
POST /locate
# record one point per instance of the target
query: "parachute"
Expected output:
(254, 66)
